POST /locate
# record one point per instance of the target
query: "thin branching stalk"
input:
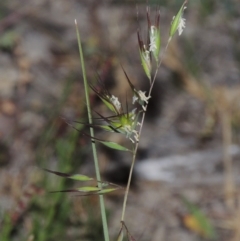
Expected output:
(152, 47)
(95, 157)
(137, 144)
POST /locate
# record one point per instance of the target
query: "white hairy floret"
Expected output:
(152, 44)
(182, 25)
(115, 102)
(141, 98)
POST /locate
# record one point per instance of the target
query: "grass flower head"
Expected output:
(178, 22)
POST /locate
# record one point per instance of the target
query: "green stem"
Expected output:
(86, 89)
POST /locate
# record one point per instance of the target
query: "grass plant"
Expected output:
(128, 120)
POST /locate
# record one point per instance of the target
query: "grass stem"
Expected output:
(98, 176)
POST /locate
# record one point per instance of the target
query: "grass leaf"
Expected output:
(79, 177)
(107, 190)
(88, 189)
(114, 145)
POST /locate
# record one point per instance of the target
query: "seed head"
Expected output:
(178, 22)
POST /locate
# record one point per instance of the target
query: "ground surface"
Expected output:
(190, 141)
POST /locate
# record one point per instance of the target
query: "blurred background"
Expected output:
(186, 181)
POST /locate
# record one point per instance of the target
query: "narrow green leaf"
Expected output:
(114, 145)
(88, 189)
(107, 190)
(79, 177)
